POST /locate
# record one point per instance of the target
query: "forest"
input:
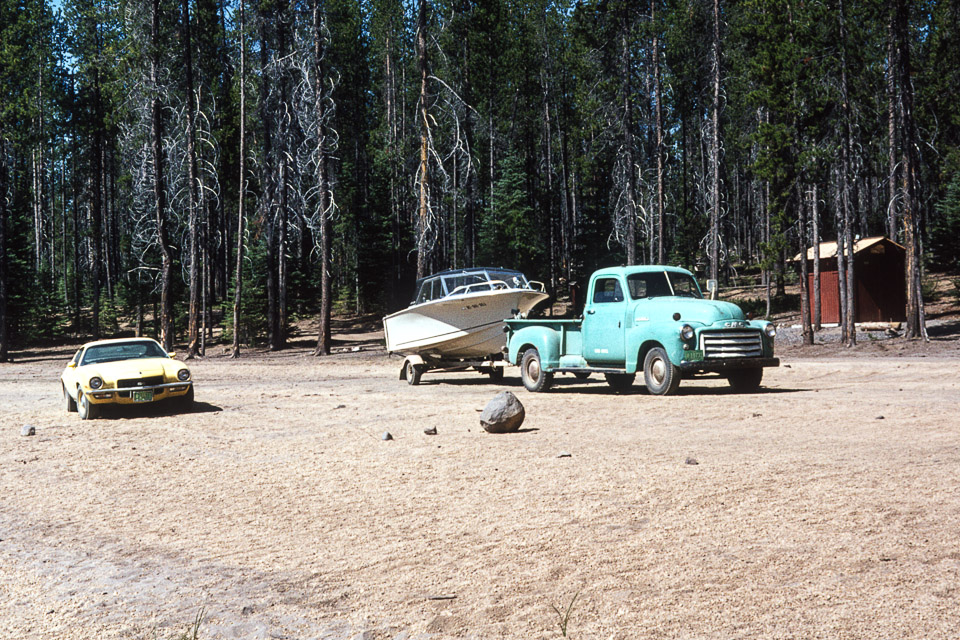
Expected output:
(221, 169)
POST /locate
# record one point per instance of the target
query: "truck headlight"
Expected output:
(770, 330)
(95, 382)
(183, 375)
(687, 332)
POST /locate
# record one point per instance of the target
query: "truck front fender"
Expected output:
(545, 340)
(640, 342)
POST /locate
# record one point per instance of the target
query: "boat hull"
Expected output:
(467, 326)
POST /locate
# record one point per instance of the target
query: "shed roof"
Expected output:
(876, 244)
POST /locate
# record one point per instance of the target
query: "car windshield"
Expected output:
(123, 351)
(654, 284)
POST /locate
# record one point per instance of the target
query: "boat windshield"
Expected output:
(471, 281)
(123, 351)
(656, 284)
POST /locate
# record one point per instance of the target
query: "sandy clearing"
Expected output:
(278, 509)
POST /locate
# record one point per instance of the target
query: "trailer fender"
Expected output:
(414, 360)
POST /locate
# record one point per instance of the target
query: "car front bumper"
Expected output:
(125, 395)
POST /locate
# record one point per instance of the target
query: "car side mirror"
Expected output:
(71, 365)
(172, 354)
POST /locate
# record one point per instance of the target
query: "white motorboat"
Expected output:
(458, 314)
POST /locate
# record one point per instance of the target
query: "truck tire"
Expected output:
(619, 381)
(660, 375)
(745, 380)
(532, 374)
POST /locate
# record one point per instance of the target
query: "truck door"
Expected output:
(603, 316)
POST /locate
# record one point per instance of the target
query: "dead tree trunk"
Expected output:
(4, 177)
(891, 131)
(241, 217)
(629, 192)
(159, 192)
(424, 248)
(804, 266)
(713, 245)
(850, 317)
(916, 325)
(323, 187)
(658, 125)
(193, 312)
(815, 224)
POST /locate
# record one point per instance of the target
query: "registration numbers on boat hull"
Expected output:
(143, 396)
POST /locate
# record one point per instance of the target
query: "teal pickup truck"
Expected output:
(644, 318)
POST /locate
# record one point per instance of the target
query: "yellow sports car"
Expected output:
(124, 371)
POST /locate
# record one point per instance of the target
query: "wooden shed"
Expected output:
(881, 290)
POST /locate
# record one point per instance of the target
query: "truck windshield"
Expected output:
(655, 284)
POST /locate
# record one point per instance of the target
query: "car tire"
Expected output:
(619, 381)
(745, 380)
(414, 371)
(660, 375)
(532, 375)
(68, 402)
(185, 402)
(85, 409)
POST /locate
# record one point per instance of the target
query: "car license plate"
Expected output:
(143, 396)
(693, 355)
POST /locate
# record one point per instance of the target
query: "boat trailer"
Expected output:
(414, 366)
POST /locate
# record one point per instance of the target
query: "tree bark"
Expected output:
(241, 217)
(159, 191)
(193, 345)
(4, 177)
(658, 124)
(891, 130)
(714, 241)
(626, 124)
(805, 322)
(845, 152)
(424, 250)
(323, 187)
(815, 220)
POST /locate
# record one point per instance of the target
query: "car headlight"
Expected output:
(95, 382)
(183, 375)
(770, 330)
(687, 332)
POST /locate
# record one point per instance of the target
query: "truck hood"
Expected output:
(690, 310)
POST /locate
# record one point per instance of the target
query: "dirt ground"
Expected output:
(825, 506)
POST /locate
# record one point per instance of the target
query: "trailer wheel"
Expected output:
(414, 371)
(661, 376)
(532, 374)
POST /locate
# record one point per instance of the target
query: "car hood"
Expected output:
(690, 310)
(140, 368)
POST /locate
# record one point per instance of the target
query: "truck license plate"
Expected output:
(694, 355)
(143, 396)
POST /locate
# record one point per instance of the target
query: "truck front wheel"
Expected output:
(660, 375)
(532, 374)
(745, 380)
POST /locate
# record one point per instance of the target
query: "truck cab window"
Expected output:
(607, 290)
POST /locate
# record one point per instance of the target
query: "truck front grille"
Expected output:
(734, 343)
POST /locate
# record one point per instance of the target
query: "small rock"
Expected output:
(28, 430)
(564, 454)
(430, 431)
(692, 461)
(503, 414)
(879, 417)
(758, 415)
(247, 610)
(786, 366)
(386, 436)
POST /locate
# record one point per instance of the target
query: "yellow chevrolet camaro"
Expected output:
(124, 371)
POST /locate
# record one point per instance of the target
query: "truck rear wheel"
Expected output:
(660, 375)
(745, 380)
(532, 374)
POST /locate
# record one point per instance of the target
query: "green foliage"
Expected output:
(945, 234)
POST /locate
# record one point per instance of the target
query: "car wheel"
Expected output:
(660, 375)
(532, 374)
(69, 403)
(619, 381)
(86, 409)
(745, 380)
(185, 402)
(414, 371)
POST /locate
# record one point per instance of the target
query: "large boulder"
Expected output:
(503, 414)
